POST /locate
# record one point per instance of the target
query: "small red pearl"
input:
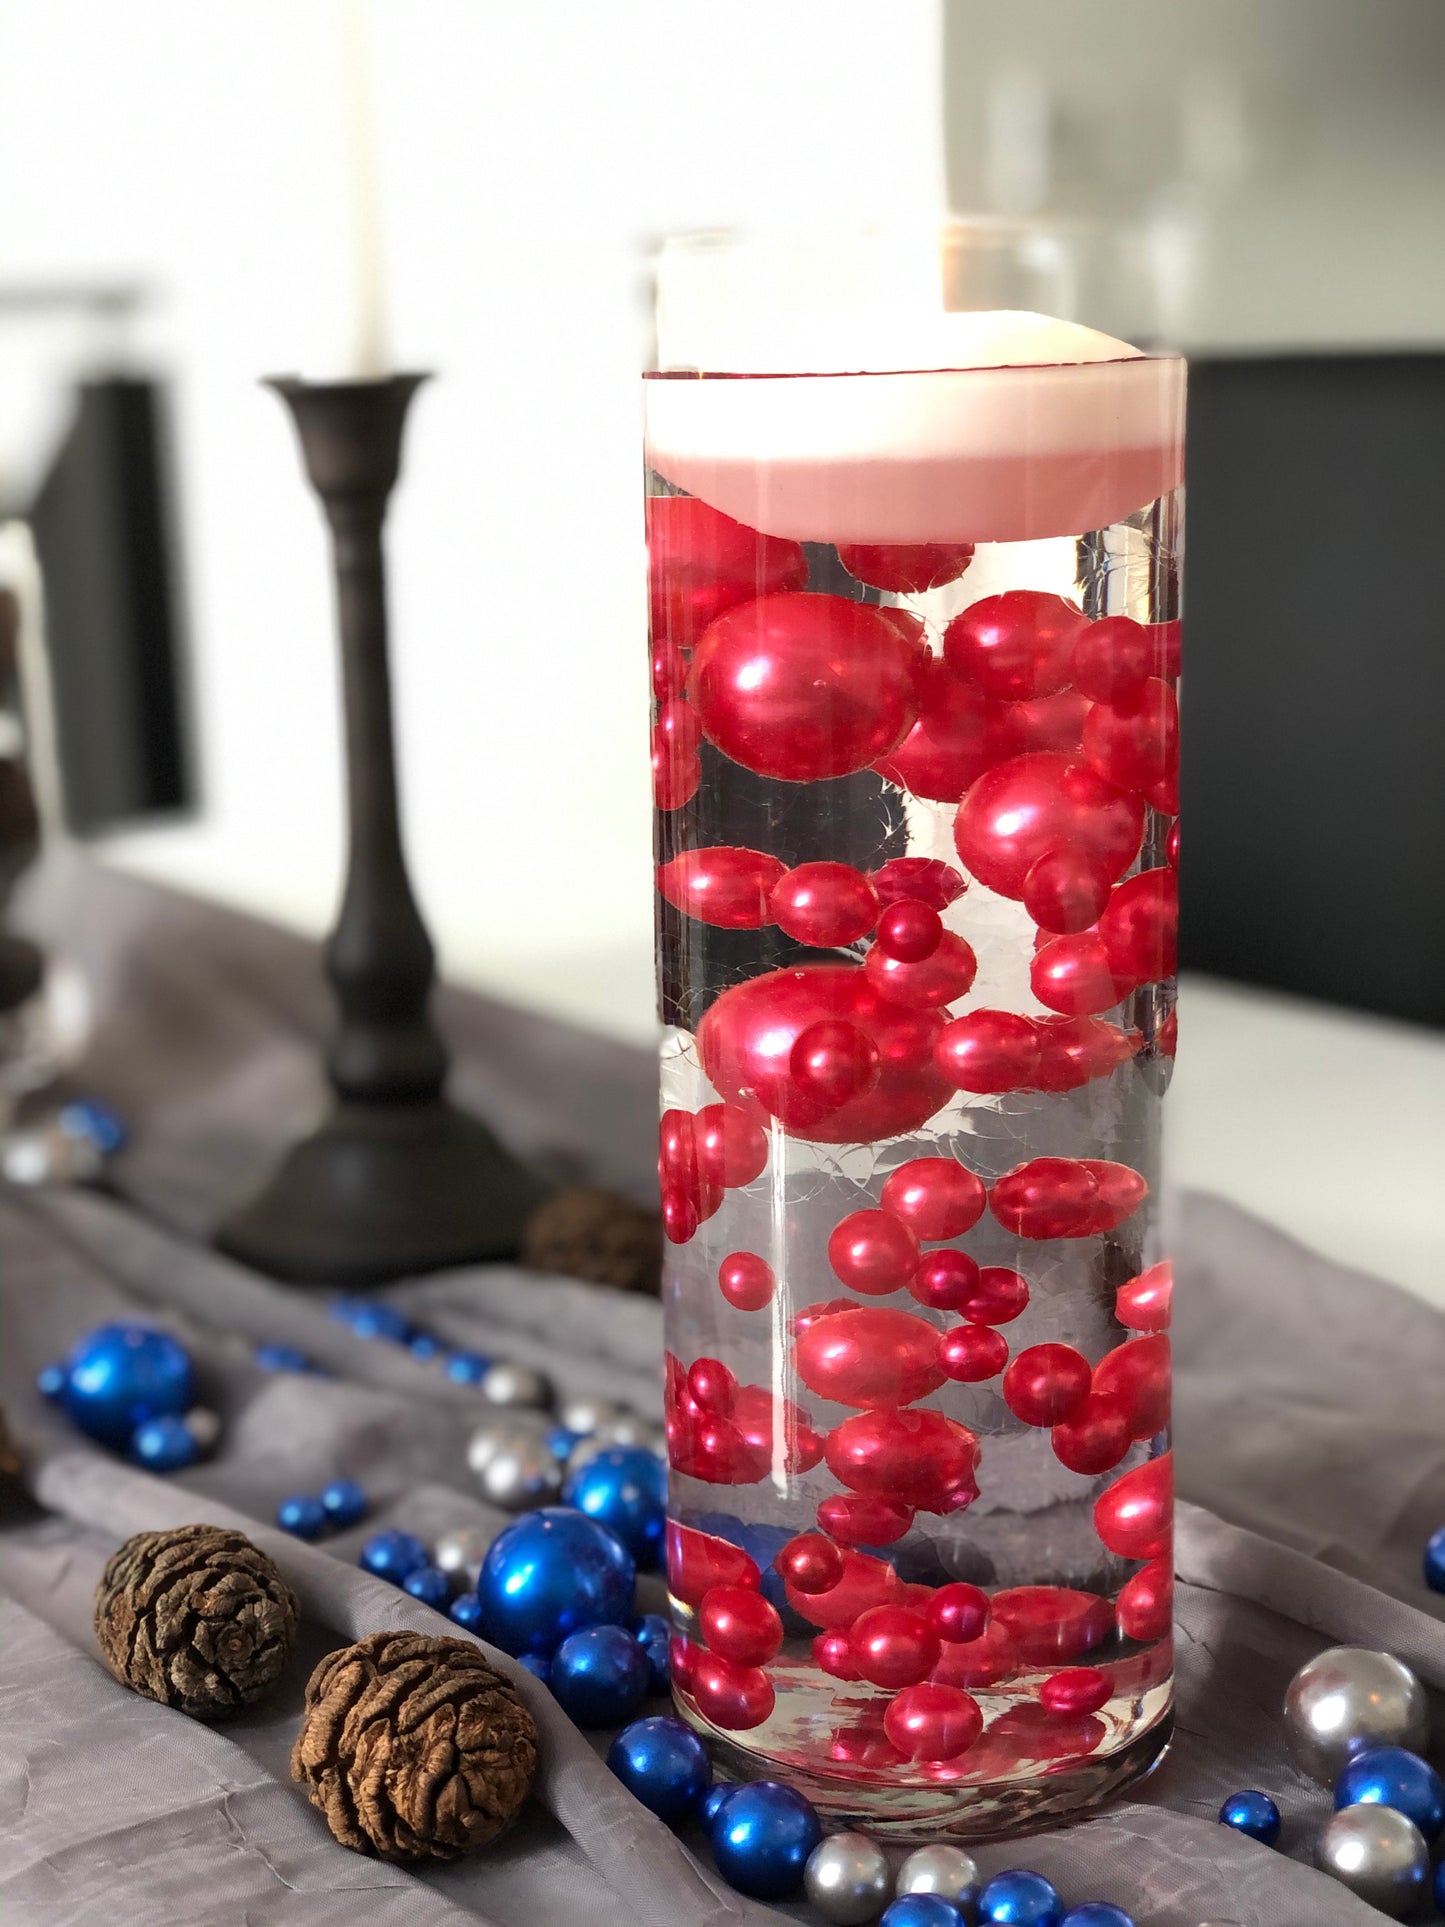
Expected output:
(1046, 1384)
(959, 734)
(1016, 645)
(928, 1722)
(1066, 891)
(1075, 1050)
(1167, 1041)
(679, 1217)
(1171, 845)
(762, 1418)
(681, 1653)
(869, 1355)
(696, 1562)
(669, 672)
(732, 1146)
(740, 1625)
(969, 1354)
(1096, 1437)
(909, 931)
(746, 1281)
(1000, 1296)
(988, 1050)
(905, 568)
(1137, 1374)
(677, 1151)
(833, 1061)
(935, 1197)
(736, 1698)
(939, 979)
(1121, 1190)
(824, 903)
(1049, 1624)
(859, 1519)
(1134, 1515)
(1077, 976)
(726, 887)
(721, 1455)
(810, 1563)
(945, 1280)
(833, 1654)
(713, 1386)
(867, 1581)
(927, 878)
(1046, 1198)
(1139, 929)
(675, 779)
(873, 1253)
(890, 1646)
(1077, 1689)
(958, 1613)
(1145, 1606)
(1135, 747)
(1144, 1303)
(1113, 660)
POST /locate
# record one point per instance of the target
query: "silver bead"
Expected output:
(461, 1551)
(516, 1385)
(847, 1878)
(484, 1442)
(947, 1871)
(1378, 1854)
(582, 1451)
(203, 1426)
(584, 1415)
(626, 1429)
(1346, 1699)
(521, 1472)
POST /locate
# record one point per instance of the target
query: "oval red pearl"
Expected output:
(1075, 1050)
(679, 1217)
(905, 568)
(810, 1563)
(1171, 845)
(1135, 747)
(873, 1252)
(696, 1562)
(764, 1420)
(866, 1582)
(1066, 891)
(746, 1281)
(958, 1613)
(1145, 1606)
(833, 1061)
(1113, 660)
(859, 1519)
(1028, 1733)
(713, 1387)
(716, 1452)
(1121, 1190)
(1050, 722)
(868, 1357)
(1139, 928)
(1137, 1374)
(736, 1698)
(1048, 1624)
(916, 1457)
(669, 672)
(808, 1315)
(1076, 977)
(927, 878)
(701, 562)
(890, 1646)
(1075, 1690)
(1033, 804)
(935, 1197)
(824, 903)
(731, 1145)
(969, 1354)
(930, 1722)
(1046, 1198)
(1096, 1437)
(681, 1653)
(675, 779)
(1016, 645)
(1046, 1384)
(999, 1297)
(959, 734)
(832, 1654)
(945, 1280)
(1134, 1516)
(909, 931)
(739, 1624)
(1167, 1041)
(1144, 1303)
(984, 1661)
(722, 886)
(939, 979)
(988, 1050)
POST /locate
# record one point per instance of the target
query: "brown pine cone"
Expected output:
(597, 1236)
(414, 1748)
(9, 1457)
(196, 1617)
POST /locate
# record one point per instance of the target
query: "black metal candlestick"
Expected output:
(396, 1180)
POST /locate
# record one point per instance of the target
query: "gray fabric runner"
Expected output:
(1311, 1444)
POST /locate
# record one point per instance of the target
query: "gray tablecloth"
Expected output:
(1311, 1440)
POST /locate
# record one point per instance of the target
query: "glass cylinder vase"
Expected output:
(914, 541)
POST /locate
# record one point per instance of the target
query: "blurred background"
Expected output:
(192, 197)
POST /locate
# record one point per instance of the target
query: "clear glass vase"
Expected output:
(914, 552)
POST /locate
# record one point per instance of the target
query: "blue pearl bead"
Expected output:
(663, 1764)
(599, 1676)
(282, 1358)
(560, 1442)
(654, 1636)
(712, 1800)
(50, 1381)
(96, 1123)
(1020, 1898)
(1097, 1913)
(624, 1488)
(549, 1574)
(121, 1375)
(424, 1345)
(303, 1516)
(1390, 1776)
(921, 1910)
(761, 1837)
(538, 1667)
(1437, 1890)
(466, 1610)
(1252, 1813)
(468, 1368)
(393, 1555)
(372, 1320)
(1435, 1560)
(165, 1444)
(430, 1585)
(345, 1502)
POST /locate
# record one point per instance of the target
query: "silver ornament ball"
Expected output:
(516, 1385)
(946, 1871)
(586, 1415)
(1349, 1698)
(1378, 1854)
(521, 1473)
(626, 1429)
(204, 1426)
(847, 1878)
(461, 1551)
(485, 1442)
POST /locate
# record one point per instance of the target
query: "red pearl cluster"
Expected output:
(699, 1156)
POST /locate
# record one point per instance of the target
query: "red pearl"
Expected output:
(696, 1562)
(909, 931)
(681, 1655)
(679, 1217)
(866, 1582)
(927, 878)
(1113, 660)
(978, 1662)
(871, 1356)
(1029, 1733)
(669, 672)
(1075, 976)
(864, 1743)
(1046, 1198)
(1066, 890)
(1096, 1437)
(958, 1613)
(1016, 645)
(701, 562)
(1137, 1373)
(833, 1655)
(808, 1315)
(872, 1252)
(1121, 1190)
(1145, 1606)
(928, 1722)
(765, 1420)
(1050, 722)
(999, 1297)
(1144, 1303)
(677, 1152)
(675, 778)
(939, 979)
(736, 1698)
(833, 1061)
(732, 1147)
(988, 1050)
(1031, 805)
(801, 687)
(945, 1280)
(739, 1624)
(678, 727)
(890, 1646)
(1077, 1689)
(1134, 1515)
(1171, 845)
(1139, 928)
(1075, 1050)
(824, 903)
(1048, 1624)
(725, 887)
(969, 1354)
(1135, 747)
(714, 1450)
(1046, 1384)
(745, 1040)
(935, 1197)
(1167, 1041)
(858, 1519)
(713, 1387)
(958, 735)
(905, 568)
(746, 1281)
(810, 1563)
(917, 1457)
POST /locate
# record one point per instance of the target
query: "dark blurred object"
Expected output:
(1313, 774)
(101, 526)
(595, 1235)
(22, 966)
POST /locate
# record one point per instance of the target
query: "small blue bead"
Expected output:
(282, 1358)
(663, 1764)
(466, 1610)
(1391, 1776)
(1435, 1561)
(50, 1381)
(165, 1444)
(468, 1368)
(713, 1799)
(372, 1319)
(599, 1676)
(303, 1516)
(424, 1345)
(1019, 1898)
(624, 1488)
(430, 1585)
(654, 1636)
(1097, 1913)
(393, 1555)
(761, 1837)
(921, 1910)
(1437, 1890)
(345, 1502)
(1252, 1813)
(537, 1666)
(86, 1117)
(560, 1442)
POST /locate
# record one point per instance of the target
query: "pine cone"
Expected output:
(583, 1233)
(9, 1457)
(414, 1748)
(196, 1617)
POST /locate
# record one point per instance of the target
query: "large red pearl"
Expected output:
(1134, 1515)
(1066, 890)
(801, 687)
(945, 1280)
(1075, 976)
(1137, 1373)
(1121, 1190)
(958, 1613)
(732, 1147)
(930, 1722)
(1016, 645)
(1026, 807)
(1075, 1050)
(1048, 1624)
(873, 1252)
(1144, 1303)
(833, 1061)
(905, 568)
(909, 931)
(1145, 1606)
(935, 1197)
(890, 1646)
(861, 1519)
(918, 1458)
(866, 1582)
(1135, 747)
(1046, 1384)
(958, 735)
(978, 1662)
(998, 1298)
(701, 562)
(941, 978)
(745, 1041)
(1113, 659)
(970, 1354)
(928, 878)
(739, 1624)
(1139, 928)
(988, 1050)
(1046, 1198)
(872, 1356)
(1096, 1437)
(808, 1315)
(810, 1563)
(746, 1281)
(1050, 722)
(721, 886)
(696, 1562)
(1075, 1690)
(736, 1698)
(824, 903)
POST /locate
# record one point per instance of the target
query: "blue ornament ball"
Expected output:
(165, 1444)
(50, 1381)
(1252, 1813)
(424, 1345)
(663, 1764)
(550, 1573)
(345, 1502)
(87, 1118)
(599, 1676)
(430, 1585)
(1435, 1560)
(921, 1910)
(1019, 1898)
(761, 1837)
(1389, 1776)
(624, 1488)
(302, 1515)
(466, 1610)
(468, 1368)
(393, 1555)
(1097, 1913)
(712, 1800)
(654, 1636)
(282, 1358)
(560, 1442)
(538, 1667)
(122, 1375)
